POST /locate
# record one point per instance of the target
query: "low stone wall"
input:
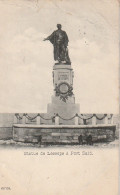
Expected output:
(61, 134)
(6, 133)
(6, 125)
(7, 121)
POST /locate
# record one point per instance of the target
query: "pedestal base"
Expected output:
(66, 109)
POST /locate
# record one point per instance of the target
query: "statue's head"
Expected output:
(59, 26)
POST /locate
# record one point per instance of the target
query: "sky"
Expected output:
(26, 61)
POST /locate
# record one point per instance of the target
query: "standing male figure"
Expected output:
(59, 39)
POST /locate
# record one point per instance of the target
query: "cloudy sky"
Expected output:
(26, 61)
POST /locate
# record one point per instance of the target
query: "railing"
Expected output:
(107, 119)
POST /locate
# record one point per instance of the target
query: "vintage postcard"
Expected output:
(59, 102)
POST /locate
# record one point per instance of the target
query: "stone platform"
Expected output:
(66, 109)
(61, 133)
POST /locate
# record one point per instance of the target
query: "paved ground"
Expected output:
(13, 144)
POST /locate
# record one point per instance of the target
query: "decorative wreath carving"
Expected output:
(64, 94)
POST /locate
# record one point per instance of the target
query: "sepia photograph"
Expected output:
(59, 102)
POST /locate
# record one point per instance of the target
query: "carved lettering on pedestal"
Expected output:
(63, 76)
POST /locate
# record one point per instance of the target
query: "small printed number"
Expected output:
(5, 188)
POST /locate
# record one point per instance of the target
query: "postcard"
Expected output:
(59, 102)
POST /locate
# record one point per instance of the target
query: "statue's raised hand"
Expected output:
(44, 39)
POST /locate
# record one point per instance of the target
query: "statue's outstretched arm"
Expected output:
(49, 37)
(46, 39)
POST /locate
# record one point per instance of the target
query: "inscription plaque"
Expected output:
(63, 76)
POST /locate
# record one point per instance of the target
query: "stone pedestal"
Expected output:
(66, 109)
(62, 73)
(63, 101)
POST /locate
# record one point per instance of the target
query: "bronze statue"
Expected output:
(59, 39)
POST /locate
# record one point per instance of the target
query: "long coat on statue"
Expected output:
(59, 39)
